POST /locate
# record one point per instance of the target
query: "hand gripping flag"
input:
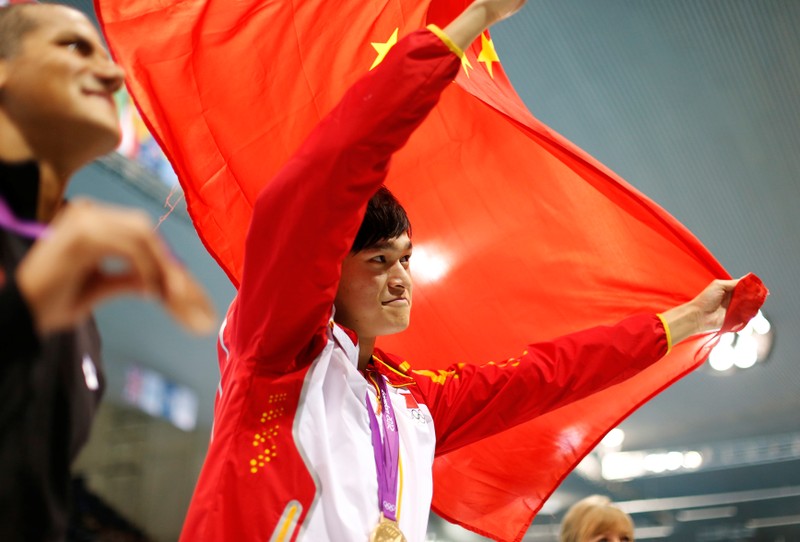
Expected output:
(519, 235)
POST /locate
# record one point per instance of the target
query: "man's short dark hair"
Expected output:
(14, 24)
(385, 219)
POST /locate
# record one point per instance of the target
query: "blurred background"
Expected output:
(697, 104)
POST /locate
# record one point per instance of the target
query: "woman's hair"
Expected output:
(592, 516)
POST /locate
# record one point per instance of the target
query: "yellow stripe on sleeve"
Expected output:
(288, 522)
(447, 41)
(666, 331)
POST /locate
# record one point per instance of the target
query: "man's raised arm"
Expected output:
(470, 402)
(306, 218)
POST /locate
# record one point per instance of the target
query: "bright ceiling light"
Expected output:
(673, 461)
(629, 465)
(623, 465)
(614, 438)
(721, 357)
(760, 324)
(656, 463)
(746, 352)
(744, 348)
(692, 460)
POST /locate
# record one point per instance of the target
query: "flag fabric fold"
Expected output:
(519, 235)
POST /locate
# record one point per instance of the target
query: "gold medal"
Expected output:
(387, 531)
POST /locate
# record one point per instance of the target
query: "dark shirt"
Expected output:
(49, 390)
(17, 334)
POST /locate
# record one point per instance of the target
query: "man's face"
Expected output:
(60, 81)
(374, 296)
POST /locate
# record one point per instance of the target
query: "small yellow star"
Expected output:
(465, 64)
(488, 54)
(383, 48)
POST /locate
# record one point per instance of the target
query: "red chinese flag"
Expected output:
(519, 236)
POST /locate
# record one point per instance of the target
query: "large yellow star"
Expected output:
(488, 54)
(383, 48)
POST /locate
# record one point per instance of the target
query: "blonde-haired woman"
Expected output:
(595, 519)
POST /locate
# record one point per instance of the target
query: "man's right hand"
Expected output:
(93, 252)
(706, 312)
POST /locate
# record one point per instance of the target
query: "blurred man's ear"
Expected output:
(3, 72)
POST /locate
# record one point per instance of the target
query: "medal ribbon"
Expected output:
(25, 228)
(386, 450)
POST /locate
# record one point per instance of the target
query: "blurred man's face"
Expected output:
(60, 82)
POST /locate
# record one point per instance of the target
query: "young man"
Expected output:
(318, 435)
(57, 114)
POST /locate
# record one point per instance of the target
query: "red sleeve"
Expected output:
(306, 218)
(471, 402)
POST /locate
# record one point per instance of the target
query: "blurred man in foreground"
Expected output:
(57, 114)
